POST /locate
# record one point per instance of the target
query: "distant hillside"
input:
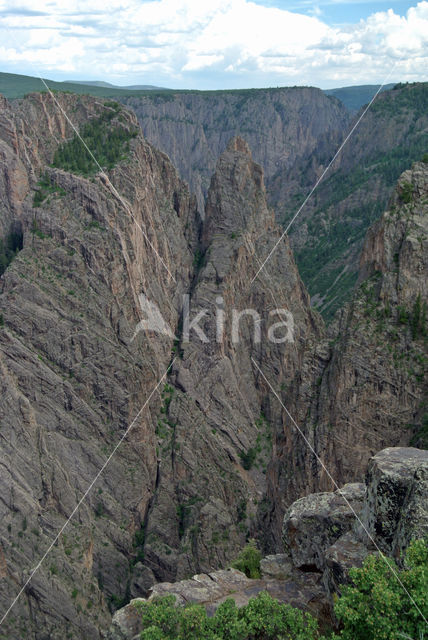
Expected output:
(108, 85)
(355, 97)
(16, 86)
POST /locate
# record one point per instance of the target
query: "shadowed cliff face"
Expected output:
(282, 127)
(78, 362)
(294, 134)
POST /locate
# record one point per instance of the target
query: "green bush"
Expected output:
(406, 192)
(248, 560)
(248, 457)
(377, 607)
(263, 618)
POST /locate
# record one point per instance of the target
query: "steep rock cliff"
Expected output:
(216, 429)
(72, 378)
(363, 388)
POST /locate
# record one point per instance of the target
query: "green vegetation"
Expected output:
(337, 227)
(419, 318)
(377, 606)
(355, 97)
(406, 192)
(263, 618)
(248, 457)
(248, 560)
(46, 188)
(108, 144)
(36, 231)
(9, 247)
(420, 439)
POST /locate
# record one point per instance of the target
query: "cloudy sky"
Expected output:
(214, 44)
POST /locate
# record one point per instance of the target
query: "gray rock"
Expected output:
(313, 523)
(395, 510)
(277, 567)
(347, 552)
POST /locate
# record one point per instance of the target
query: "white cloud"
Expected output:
(220, 43)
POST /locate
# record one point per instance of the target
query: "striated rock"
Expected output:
(216, 433)
(72, 378)
(142, 581)
(280, 125)
(347, 552)
(394, 512)
(313, 523)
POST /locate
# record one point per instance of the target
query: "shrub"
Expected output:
(377, 606)
(263, 618)
(248, 560)
(406, 192)
(248, 457)
(268, 619)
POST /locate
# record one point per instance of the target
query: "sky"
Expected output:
(217, 44)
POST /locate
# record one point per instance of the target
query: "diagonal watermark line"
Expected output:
(281, 238)
(383, 556)
(85, 495)
(106, 179)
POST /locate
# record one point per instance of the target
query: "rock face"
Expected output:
(216, 430)
(79, 364)
(395, 509)
(362, 388)
(302, 590)
(282, 126)
(72, 378)
(93, 338)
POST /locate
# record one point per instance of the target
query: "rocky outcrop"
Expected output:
(211, 458)
(303, 590)
(325, 534)
(81, 362)
(395, 509)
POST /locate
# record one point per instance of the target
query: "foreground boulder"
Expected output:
(395, 509)
(315, 522)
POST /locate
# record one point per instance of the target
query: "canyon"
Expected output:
(193, 438)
